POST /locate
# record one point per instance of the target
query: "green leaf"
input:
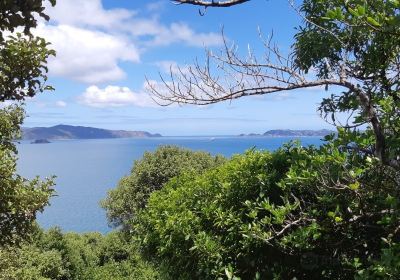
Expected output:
(338, 219)
(355, 186)
(373, 22)
(331, 214)
(331, 14)
(354, 12)
(228, 273)
(361, 10)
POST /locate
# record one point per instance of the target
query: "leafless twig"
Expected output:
(212, 3)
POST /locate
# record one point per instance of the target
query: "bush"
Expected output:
(302, 213)
(30, 262)
(21, 199)
(148, 175)
(53, 255)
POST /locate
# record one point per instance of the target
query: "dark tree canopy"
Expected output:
(23, 71)
(21, 13)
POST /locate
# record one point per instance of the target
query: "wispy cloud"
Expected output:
(156, 6)
(168, 66)
(141, 120)
(39, 103)
(60, 104)
(275, 97)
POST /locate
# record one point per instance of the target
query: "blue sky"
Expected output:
(106, 48)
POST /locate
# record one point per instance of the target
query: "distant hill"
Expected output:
(292, 133)
(79, 132)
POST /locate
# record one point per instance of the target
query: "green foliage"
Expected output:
(387, 267)
(14, 14)
(23, 73)
(194, 223)
(337, 29)
(53, 255)
(30, 263)
(23, 67)
(23, 59)
(20, 199)
(150, 174)
(10, 119)
(298, 213)
(357, 42)
(304, 213)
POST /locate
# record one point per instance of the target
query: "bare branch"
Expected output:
(212, 3)
(292, 224)
(227, 76)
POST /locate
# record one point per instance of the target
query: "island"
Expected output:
(291, 133)
(40, 141)
(64, 132)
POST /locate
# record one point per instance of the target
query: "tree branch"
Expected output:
(228, 75)
(212, 3)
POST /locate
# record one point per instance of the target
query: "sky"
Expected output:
(107, 48)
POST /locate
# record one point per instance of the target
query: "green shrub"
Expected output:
(149, 174)
(31, 263)
(52, 255)
(298, 212)
(21, 199)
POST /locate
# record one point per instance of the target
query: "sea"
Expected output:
(86, 169)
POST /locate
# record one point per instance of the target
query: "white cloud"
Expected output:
(61, 104)
(87, 13)
(282, 96)
(160, 87)
(87, 56)
(92, 41)
(42, 104)
(156, 6)
(92, 14)
(114, 96)
(162, 35)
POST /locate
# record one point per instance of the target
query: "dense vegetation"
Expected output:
(309, 213)
(23, 73)
(148, 175)
(56, 256)
(20, 199)
(328, 212)
(298, 213)
(304, 213)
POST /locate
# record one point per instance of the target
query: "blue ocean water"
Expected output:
(86, 169)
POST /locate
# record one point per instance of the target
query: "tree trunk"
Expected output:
(380, 142)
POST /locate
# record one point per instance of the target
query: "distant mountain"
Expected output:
(79, 132)
(292, 133)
